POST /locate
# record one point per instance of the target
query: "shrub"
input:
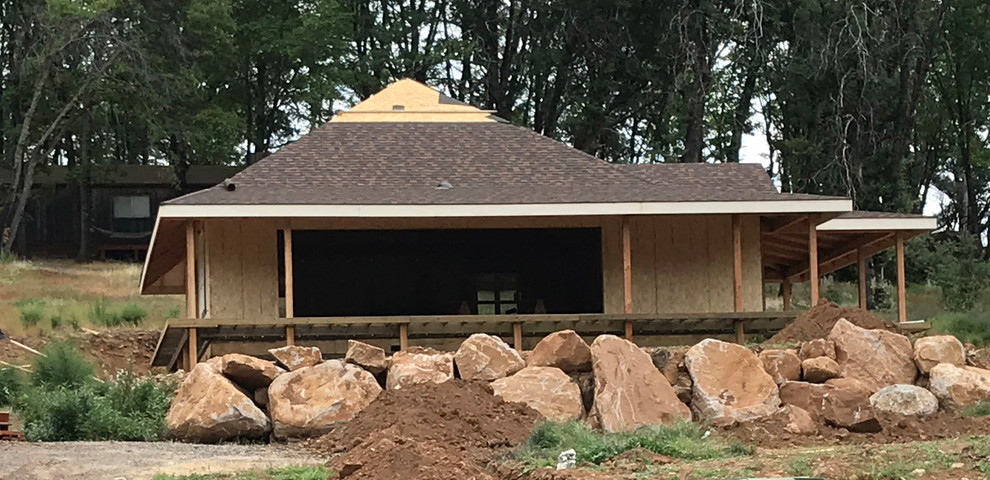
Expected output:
(11, 384)
(100, 313)
(972, 327)
(681, 440)
(61, 365)
(32, 311)
(172, 312)
(133, 314)
(56, 321)
(127, 408)
(74, 323)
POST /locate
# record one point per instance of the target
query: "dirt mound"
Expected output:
(110, 351)
(818, 321)
(427, 432)
(771, 434)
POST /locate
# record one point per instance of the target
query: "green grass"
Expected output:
(683, 440)
(11, 384)
(283, 473)
(981, 409)
(972, 327)
(799, 466)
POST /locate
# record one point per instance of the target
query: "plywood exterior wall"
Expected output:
(682, 264)
(242, 263)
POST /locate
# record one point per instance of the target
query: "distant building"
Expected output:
(122, 205)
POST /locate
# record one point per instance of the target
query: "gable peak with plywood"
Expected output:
(407, 100)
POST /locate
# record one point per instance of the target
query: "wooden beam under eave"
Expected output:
(290, 307)
(191, 306)
(813, 259)
(901, 281)
(627, 294)
(737, 275)
(861, 261)
(787, 225)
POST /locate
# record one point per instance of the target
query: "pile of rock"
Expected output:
(845, 380)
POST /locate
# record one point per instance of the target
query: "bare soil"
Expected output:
(137, 460)
(110, 352)
(817, 322)
(427, 432)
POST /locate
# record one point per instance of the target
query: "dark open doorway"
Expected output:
(447, 272)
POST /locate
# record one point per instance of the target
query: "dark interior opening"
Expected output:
(447, 272)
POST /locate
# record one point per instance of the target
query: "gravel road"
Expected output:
(137, 460)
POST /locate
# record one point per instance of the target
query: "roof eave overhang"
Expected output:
(867, 224)
(506, 210)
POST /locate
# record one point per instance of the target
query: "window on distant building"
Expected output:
(132, 213)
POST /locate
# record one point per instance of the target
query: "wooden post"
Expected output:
(290, 306)
(737, 275)
(813, 258)
(191, 305)
(517, 336)
(627, 300)
(901, 283)
(786, 287)
(403, 336)
(861, 260)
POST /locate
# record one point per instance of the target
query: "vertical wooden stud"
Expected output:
(191, 310)
(737, 275)
(517, 336)
(627, 287)
(901, 285)
(290, 306)
(861, 261)
(403, 336)
(786, 288)
(813, 258)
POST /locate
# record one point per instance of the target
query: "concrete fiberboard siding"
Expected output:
(243, 268)
(682, 264)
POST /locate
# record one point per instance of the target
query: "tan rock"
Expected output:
(684, 387)
(809, 397)
(819, 369)
(818, 347)
(547, 390)
(294, 357)
(847, 405)
(799, 421)
(782, 365)
(368, 357)
(310, 401)
(876, 357)
(261, 397)
(906, 400)
(419, 365)
(931, 351)
(729, 383)
(565, 350)
(629, 391)
(249, 372)
(957, 386)
(209, 408)
(486, 357)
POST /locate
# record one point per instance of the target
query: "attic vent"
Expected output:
(398, 107)
(444, 185)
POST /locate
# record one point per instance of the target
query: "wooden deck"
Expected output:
(411, 328)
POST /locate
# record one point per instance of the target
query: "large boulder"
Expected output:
(931, 351)
(209, 408)
(957, 386)
(368, 357)
(907, 400)
(249, 372)
(294, 357)
(486, 357)
(847, 405)
(419, 365)
(310, 401)
(629, 391)
(875, 357)
(729, 383)
(782, 365)
(818, 347)
(798, 421)
(819, 369)
(547, 390)
(565, 350)
(806, 396)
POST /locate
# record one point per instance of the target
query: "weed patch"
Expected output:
(61, 366)
(11, 384)
(981, 409)
(284, 473)
(32, 311)
(683, 440)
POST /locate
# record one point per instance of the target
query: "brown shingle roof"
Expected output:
(485, 163)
